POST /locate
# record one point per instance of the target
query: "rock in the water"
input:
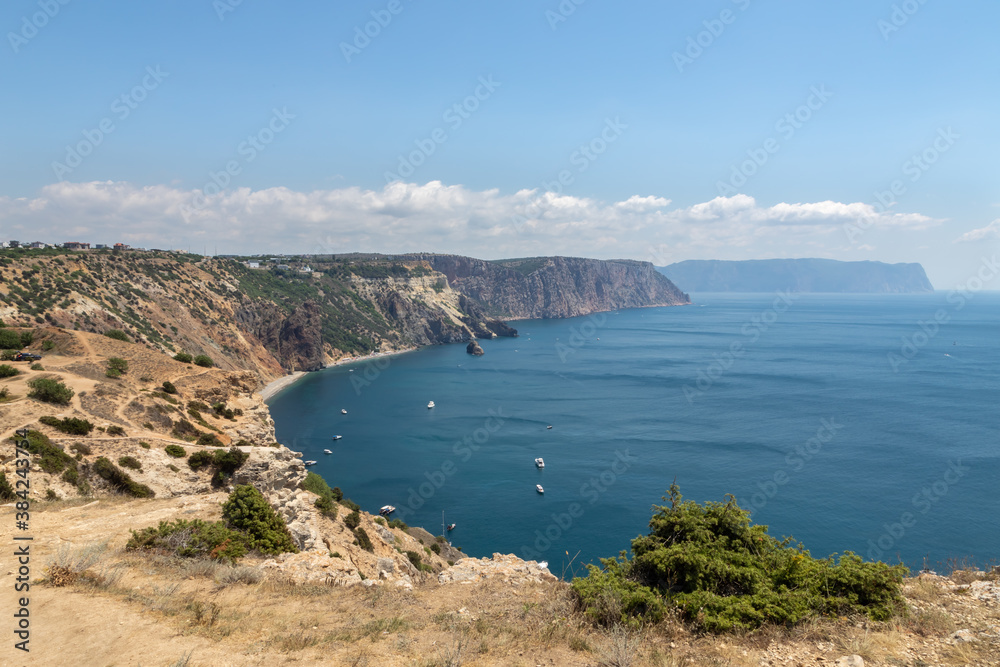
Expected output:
(474, 348)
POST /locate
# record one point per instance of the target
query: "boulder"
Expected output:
(474, 348)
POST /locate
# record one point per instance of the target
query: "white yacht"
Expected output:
(539, 462)
(539, 488)
(387, 510)
(311, 463)
(430, 405)
(337, 437)
(343, 411)
(327, 451)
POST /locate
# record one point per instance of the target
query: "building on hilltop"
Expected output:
(122, 246)
(76, 245)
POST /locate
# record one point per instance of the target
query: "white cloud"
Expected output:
(430, 217)
(987, 233)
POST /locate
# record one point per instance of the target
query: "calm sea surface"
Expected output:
(863, 423)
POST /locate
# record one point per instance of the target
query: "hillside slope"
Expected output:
(797, 275)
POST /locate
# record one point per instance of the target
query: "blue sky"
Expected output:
(668, 180)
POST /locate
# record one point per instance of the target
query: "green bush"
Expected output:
(414, 558)
(183, 357)
(326, 502)
(168, 387)
(37, 367)
(130, 462)
(52, 459)
(10, 340)
(436, 548)
(118, 365)
(118, 334)
(80, 447)
(398, 523)
(203, 360)
(248, 512)
(209, 440)
(119, 479)
(350, 504)
(26, 338)
(47, 345)
(338, 495)
(50, 391)
(7, 371)
(115, 430)
(363, 540)
(175, 451)
(352, 520)
(191, 539)
(725, 574)
(200, 459)
(70, 425)
(6, 490)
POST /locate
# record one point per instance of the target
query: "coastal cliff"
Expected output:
(304, 313)
(798, 275)
(554, 287)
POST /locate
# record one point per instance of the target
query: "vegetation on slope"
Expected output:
(725, 574)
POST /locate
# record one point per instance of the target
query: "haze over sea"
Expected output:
(903, 462)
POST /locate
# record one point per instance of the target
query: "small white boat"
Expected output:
(539, 488)
(550, 426)
(430, 405)
(539, 462)
(327, 451)
(337, 437)
(311, 463)
(387, 510)
(343, 412)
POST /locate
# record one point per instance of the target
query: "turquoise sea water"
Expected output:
(851, 422)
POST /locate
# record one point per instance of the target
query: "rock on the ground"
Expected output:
(474, 348)
(850, 661)
(502, 567)
(315, 566)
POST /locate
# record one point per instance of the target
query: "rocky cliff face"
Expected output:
(798, 275)
(552, 287)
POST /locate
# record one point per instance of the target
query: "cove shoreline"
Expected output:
(274, 387)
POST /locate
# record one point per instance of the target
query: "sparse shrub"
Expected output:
(144, 444)
(6, 490)
(7, 371)
(169, 388)
(50, 494)
(130, 462)
(47, 345)
(325, 503)
(183, 357)
(725, 574)
(173, 467)
(26, 338)
(191, 539)
(118, 334)
(414, 558)
(350, 504)
(70, 425)
(81, 447)
(379, 520)
(363, 540)
(398, 523)
(5, 395)
(175, 451)
(248, 511)
(37, 367)
(120, 480)
(50, 391)
(199, 460)
(436, 548)
(352, 520)
(71, 476)
(338, 495)
(203, 360)
(116, 367)
(185, 430)
(209, 440)
(52, 459)
(115, 430)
